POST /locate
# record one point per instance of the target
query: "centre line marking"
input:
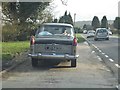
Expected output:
(103, 53)
(111, 60)
(106, 55)
(100, 59)
(117, 65)
(100, 51)
(93, 51)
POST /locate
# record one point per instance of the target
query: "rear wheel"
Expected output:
(95, 39)
(34, 62)
(73, 63)
(107, 38)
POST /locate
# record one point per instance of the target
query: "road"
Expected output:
(107, 50)
(89, 73)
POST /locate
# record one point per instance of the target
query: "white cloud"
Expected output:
(87, 9)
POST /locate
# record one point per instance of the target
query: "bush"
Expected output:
(16, 33)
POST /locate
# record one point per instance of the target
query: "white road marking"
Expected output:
(100, 59)
(111, 60)
(86, 43)
(117, 65)
(93, 51)
(94, 45)
(106, 56)
(100, 51)
(103, 53)
(98, 56)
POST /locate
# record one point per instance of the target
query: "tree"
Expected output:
(55, 20)
(66, 18)
(61, 20)
(24, 16)
(84, 26)
(104, 22)
(70, 20)
(95, 22)
(117, 23)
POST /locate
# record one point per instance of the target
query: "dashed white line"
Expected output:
(117, 65)
(106, 56)
(111, 60)
(103, 53)
(93, 51)
(100, 51)
(99, 58)
(95, 47)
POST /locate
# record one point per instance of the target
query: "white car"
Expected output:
(90, 33)
(85, 31)
(101, 33)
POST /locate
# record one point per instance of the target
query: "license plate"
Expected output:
(52, 47)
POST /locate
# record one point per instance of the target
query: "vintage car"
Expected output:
(53, 41)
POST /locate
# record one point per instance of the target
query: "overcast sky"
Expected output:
(87, 9)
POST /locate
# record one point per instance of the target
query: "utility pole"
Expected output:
(119, 9)
(74, 18)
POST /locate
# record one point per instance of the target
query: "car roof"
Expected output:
(58, 24)
(101, 28)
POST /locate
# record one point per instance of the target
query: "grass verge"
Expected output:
(80, 38)
(10, 49)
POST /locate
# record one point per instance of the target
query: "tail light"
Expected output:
(32, 40)
(75, 41)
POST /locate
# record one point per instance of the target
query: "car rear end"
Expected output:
(101, 33)
(54, 44)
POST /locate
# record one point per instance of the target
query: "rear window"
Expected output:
(54, 30)
(102, 31)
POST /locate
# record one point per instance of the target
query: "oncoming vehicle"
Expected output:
(54, 41)
(90, 33)
(101, 33)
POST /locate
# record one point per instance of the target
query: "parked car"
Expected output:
(54, 41)
(90, 33)
(101, 33)
(85, 31)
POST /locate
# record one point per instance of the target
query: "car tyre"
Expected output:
(73, 63)
(34, 62)
(107, 38)
(95, 39)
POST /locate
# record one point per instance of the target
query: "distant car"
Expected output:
(54, 41)
(101, 33)
(85, 31)
(90, 33)
(109, 31)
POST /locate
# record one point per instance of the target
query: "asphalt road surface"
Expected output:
(108, 51)
(89, 73)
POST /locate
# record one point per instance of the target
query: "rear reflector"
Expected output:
(32, 40)
(75, 42)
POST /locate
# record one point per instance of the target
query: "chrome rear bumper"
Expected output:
(53, 56)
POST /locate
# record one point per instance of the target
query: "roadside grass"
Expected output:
(10, 49)
(80, 38)
(116, 35)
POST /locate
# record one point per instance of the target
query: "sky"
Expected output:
(87, 9)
